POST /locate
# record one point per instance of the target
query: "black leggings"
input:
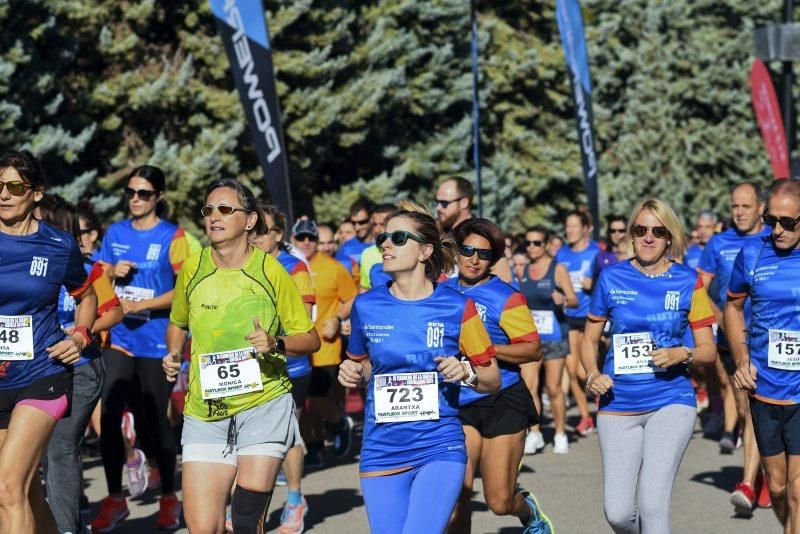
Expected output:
(123, 374)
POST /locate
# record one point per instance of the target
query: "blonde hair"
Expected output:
(412, 205)
(676, 240)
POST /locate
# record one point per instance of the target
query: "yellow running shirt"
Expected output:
(218, 305)
(333, 286)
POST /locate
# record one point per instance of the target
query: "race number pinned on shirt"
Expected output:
(135, 294)
(576, 277)
(543, 319)
(16, 337)
(632, 354)
(784, 350)
(406, 397)
(226, 374)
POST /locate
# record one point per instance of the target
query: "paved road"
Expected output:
(569, 488)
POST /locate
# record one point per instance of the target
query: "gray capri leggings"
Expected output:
(647, 448)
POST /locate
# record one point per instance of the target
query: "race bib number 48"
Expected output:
(784, 350)
(632, 354)
(406, 397)
(16, 337)
(226, 374)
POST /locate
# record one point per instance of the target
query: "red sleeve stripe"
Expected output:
(735, 296)
(470, 311)
(702, 323)
(699, 283)
(77, 292)
(310, 299)
(516, 299)
(484, 357)
(706, 273)
(103, 308)
(96, 272)
(527, 338)
(597, 318)
(357, 357)
(298, 268)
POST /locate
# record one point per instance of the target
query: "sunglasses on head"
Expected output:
(144, 194)
(223, 210)
(483, 253)
(659, 232)
(362, 222)
(444, 203)
(399, 238)
(16, 188)
(787, 223)
(535, 243)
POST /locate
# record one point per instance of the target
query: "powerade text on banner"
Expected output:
(570, 26)
(243, 30)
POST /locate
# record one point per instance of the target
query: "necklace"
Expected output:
(649, 275)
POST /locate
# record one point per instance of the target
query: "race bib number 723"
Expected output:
(406, 397)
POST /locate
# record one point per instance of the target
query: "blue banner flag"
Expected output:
(570, 26)
(243, 29)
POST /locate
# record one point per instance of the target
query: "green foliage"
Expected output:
(376, 100)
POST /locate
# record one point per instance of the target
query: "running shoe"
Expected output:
(292, 518)
(727, 444)
(743, 498)
(128, 429)
(169, 513)
(313, 459)
(154, 478)
(561, 444)
(762, 489)
(281, 479)
(113, 511)
(534, 442)
(702, 400)
(137, 474)
(344, 437)
(586, 426)
(538, 523)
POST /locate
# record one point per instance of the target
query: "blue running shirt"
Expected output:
(580, 265)
(772, 281)
(298, 366)
(692, 257)
(34, 268)
(505, 315)
(349, 254)
(663, 307)
(158, 254)
(400, 336)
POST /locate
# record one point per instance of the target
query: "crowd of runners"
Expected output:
(239, 357)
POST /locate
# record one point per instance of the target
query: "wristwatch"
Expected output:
(472, 376)
(689, 356)
(280, 346)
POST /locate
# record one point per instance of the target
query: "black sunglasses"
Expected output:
(144, 194)
(16, 188)
(399, 238)
(223, 210)
(535, 243)
(469, 251)
(305, 237)
(444, 203)
(787, 223)
(616, 231)
(659, 232)
(362, 222)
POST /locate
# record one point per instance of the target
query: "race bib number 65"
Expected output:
(406, 397)
(784, 350)
(16, 337)
(632, 354)
(225, 374)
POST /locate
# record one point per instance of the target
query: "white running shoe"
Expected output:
(534, 442)
(137, 475)
(561, 444)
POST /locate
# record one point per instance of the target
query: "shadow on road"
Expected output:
(323, 506)
(724, 480)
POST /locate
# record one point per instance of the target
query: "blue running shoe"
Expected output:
(538, 523)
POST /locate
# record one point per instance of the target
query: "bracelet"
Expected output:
(589, 380)
(84, 332)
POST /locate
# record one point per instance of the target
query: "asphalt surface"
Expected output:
(569, 488)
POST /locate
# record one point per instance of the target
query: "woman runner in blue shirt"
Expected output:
(36, 356)
(403, 346)
(647, 405)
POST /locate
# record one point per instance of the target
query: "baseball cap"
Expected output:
(305, 226)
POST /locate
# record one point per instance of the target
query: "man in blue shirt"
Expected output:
(349, 253)
(704, 228)
(716, 263)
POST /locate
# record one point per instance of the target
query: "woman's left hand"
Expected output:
(260, 339)
(669, 357)
(451, 368)
(131, 306)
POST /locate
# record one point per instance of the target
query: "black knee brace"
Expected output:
(249, 510)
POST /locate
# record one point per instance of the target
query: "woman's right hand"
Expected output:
(351, 374)
(558, 298)
(171, 364)
(123, 268)
(600, 384)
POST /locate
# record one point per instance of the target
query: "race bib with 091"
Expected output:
(406, 397)
(231, 373)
